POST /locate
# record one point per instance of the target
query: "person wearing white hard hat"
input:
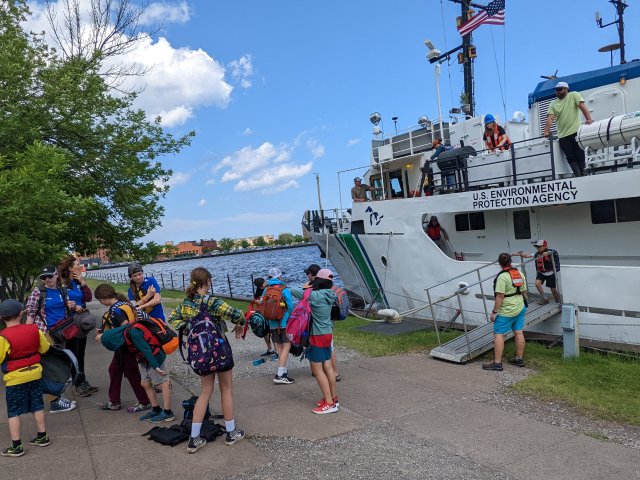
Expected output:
(565, 109)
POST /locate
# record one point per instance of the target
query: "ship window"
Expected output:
(462, 222)
(603, 212)
(521, 224)
(476, 220)
(628, 209)
(357, 227)
(395, 182)
(470, 221)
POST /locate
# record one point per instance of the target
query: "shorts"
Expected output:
(504, 324)
(279, 337)
(24, 398)
(151, 375)
(318, 354)
(549, 279)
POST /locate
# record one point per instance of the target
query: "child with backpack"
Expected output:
(120, 312)
(261, 285)
(321, 300)
(20, 350)
(276, 306)
(201, 318)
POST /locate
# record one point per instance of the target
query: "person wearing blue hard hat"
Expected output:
(494, 136)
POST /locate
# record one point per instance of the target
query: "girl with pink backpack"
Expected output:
(321, 299)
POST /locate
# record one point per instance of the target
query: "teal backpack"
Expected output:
(113, 338)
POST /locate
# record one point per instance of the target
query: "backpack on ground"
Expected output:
(209, 430)
(208, 350)
(114, 338)
(59, 370)
(189, 404)
(299, 324)
(341, 306)
(171, 436)
(272, 305)
(167, 337)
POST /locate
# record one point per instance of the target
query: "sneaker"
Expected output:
(543, 301)
(68, 400)
(110, 406)
(13, 451)
(149, 415)
(163, 417)
(234, 436)
(321, 402)
(338, 378)
(138, 407)
(283, 379)
(518, 362)
(492, 366)
(85, 389)
(195, 444)
(61, 405)
(40, 441)
(267, 353)
(275, 356)
(325, 408)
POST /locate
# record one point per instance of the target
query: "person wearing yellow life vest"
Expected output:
(510, 291)
(494, 136)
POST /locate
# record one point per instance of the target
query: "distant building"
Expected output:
(188, 247)
(252, 240)
(208, 245)
(98, 258)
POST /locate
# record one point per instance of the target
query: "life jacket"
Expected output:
(434, 231)
(24, 341)
(516, 280)
(150, 338)
(544, 263)
(129, 310)
(491, 139)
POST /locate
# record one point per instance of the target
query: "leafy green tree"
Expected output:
(226, 244)
(260, 242)
(298, 239)
(245, 244)
(285, 239)
(108, 152)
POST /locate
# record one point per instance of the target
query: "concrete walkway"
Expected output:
(400, 417)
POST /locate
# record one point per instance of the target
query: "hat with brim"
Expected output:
(325, 273)
(85, 322)
(562, 85)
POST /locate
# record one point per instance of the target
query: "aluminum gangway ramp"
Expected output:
(480, 339)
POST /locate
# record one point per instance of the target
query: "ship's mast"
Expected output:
(620, 7)
(467, 61)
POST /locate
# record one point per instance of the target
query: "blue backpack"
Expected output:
(208, 350)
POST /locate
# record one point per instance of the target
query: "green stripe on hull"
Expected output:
(362, 265)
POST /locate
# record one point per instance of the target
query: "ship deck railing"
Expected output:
(477, 339)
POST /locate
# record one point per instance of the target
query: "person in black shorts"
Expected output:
(545, 272)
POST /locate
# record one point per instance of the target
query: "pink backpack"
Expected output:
(299, 324)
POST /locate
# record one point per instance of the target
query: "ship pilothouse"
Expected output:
(492, 201)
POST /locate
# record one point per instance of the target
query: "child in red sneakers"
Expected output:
(20, 349)
(124, 362)
(319, 352)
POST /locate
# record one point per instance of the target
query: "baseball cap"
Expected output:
(562, 85)
(357, 179)
(10, 308)
(133, 268)
(48, 271)
(313, 269)
(325, 273)
(540, 243)
(275, 272)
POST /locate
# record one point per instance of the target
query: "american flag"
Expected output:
(492, 14)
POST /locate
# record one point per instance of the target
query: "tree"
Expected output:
(298, 239)
(285, 239)
(107, 150)
(260, 242)
(245, 243)
(226, 244)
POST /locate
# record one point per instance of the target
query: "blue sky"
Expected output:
(279, 90)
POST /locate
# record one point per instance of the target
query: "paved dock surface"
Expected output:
(400, 417)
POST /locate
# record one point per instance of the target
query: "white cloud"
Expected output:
(353, 141)
(242, 70)
(281, 187)
(177, 81)
(247, 131)
(202, 202)
(279, 177)
(211, 181)
(178, 178)
(249, 160)
(317, 149)
(158, 13)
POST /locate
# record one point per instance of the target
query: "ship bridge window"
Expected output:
(619, 210)
(470, 221)
(521, 224)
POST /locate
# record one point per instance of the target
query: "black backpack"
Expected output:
(171, 436)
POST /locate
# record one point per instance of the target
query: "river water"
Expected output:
(239, 269)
